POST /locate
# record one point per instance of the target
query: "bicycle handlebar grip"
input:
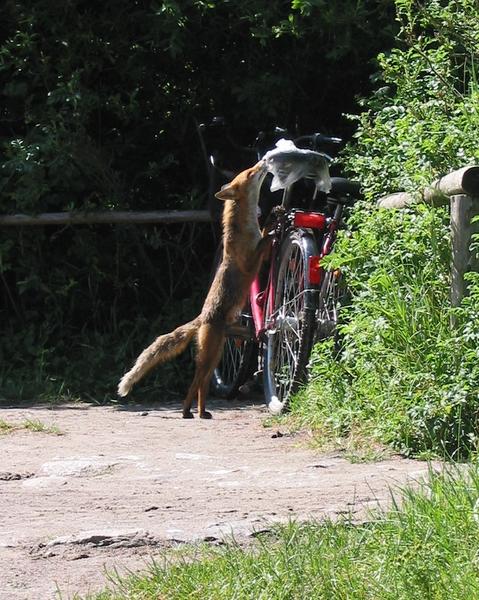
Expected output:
(275, 133)
(319, 138)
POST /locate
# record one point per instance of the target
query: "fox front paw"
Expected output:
(278, 211)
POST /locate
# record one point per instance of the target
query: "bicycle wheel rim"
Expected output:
(328, 305)
(234, 368)
(290, 324)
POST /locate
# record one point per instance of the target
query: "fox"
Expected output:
(244, 248)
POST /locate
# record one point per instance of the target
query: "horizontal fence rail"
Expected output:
(107, 217)
(464, 181)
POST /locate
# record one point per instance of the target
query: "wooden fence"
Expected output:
(459, 189)
(107, 217)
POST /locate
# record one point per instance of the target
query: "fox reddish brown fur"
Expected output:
(243, 250)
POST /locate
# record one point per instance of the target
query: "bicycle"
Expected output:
(293, 301)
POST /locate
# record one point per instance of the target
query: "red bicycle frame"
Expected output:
(300, 219)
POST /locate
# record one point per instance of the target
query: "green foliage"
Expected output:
(99, 101)
(406, 376)
(86, 300)
(424, 547)
(422, 120)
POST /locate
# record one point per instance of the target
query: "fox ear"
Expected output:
(227, 192)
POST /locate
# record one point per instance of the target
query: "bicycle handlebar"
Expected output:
(215, 122)
(314, 141)
(219, 124)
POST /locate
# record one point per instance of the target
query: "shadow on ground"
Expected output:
(214, 404)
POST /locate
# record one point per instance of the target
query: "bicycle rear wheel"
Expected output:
(330, 296)
(239, 351)
(290, 321)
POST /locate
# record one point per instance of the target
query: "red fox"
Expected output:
(243, 249)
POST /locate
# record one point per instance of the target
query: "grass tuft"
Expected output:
(425, 546)
(5, 426)
(38, 426)
(34, 425)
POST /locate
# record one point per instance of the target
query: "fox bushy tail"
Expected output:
(164, 348)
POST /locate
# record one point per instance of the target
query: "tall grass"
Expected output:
(79, 323)
(424, 547)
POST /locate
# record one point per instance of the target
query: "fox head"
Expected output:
(245, 185)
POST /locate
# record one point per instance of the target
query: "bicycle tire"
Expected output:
(236, 363)
(290, 323)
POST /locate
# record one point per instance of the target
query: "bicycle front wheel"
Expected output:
(290, 321)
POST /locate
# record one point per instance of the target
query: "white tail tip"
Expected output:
(123, 388)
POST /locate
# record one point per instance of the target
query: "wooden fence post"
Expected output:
(463, 210)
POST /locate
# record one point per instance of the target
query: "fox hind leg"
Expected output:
(210, 347)
(192, 392)
(215, 343)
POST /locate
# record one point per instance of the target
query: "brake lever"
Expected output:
(280, 216)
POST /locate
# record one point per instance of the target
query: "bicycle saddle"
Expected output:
(345, 190)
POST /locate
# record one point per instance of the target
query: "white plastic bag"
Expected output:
(288, 163)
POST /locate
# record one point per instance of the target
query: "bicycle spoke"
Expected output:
(329, 300)
(286, 347)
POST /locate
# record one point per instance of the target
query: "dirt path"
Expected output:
(121, 483)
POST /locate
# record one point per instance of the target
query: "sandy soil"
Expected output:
(122, 483)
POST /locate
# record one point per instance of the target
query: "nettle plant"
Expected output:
(422, 120)
(404, 375)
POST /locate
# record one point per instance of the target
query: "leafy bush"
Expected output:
(405, 376)
(422, 120)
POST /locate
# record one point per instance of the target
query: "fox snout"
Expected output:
(258, 171)
(260, 167)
